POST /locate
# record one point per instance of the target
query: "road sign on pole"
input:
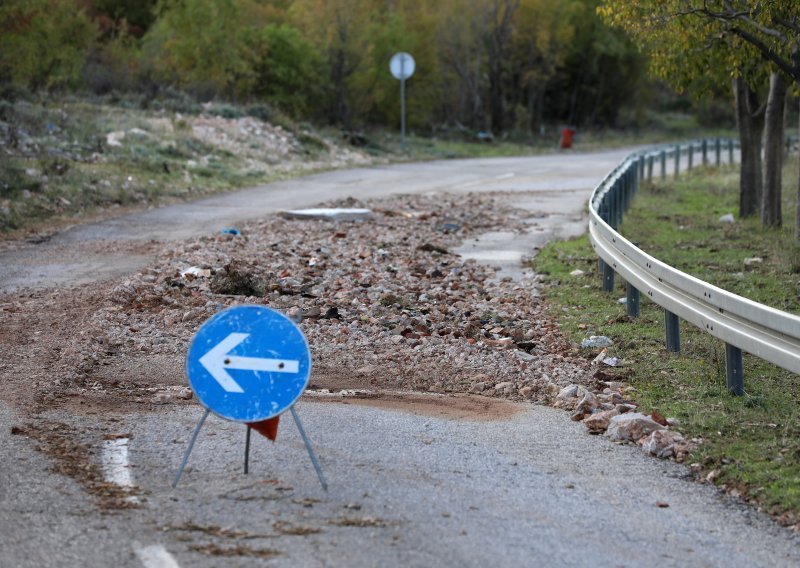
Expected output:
(248, 363)
(402, 67)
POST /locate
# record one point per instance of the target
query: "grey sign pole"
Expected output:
(403, 112)
(402, 67)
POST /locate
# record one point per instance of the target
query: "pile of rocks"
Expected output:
(610, 412)
(268, 147)
(381, 299)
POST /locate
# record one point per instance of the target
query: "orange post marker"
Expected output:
(268, 428)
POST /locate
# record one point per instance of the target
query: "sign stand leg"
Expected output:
(189, 449)
(309, 449)
(247, 450)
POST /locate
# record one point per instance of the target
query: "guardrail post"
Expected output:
(633, 181)
(677, 160)
(608, 278)
(734, 370)
(705, 152)
(717, 151)
(630, 180)
(624, 184)
(613, 209)
(650, 167)
(663, 164)
(640, 164)
(605, 269)
(730, 150)
(691, 156)
(672, 327)
(632, 300)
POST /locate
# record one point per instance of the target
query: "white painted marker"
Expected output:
(115, 464)
(154, 556)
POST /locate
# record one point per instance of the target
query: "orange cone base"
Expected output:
(268, 428)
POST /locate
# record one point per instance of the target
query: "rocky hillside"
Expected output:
(69, 158)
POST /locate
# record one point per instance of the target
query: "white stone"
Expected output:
(597, 341)
(196, 271)
(333, 213)
(661, 443)
(569, 392)
(631, 427)
(527, 357)
(115, 138)
(750, 263)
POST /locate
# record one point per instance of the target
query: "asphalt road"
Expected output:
(555, 188)
(406, 488)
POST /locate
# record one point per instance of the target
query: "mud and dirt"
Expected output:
(383, 302)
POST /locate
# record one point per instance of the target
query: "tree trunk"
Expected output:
(535, 99)
(496, 96)
(338, 109)
(750, 129)
(499, 35)
(773, 152)
(797, 211)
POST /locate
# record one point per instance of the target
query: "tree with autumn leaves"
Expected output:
(491, 65)
(753, 44)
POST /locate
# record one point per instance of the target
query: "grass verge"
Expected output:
(748, 445)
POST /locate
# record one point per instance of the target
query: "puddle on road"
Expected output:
(447, 406)
(507, 249)
(343, 393)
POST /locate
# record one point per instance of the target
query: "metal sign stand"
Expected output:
(247, 451)
(309, 449)
(306, 441)
(189, 449)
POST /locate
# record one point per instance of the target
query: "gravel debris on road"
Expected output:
(385, 305)
(382, 301)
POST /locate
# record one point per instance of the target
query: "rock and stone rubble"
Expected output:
(383, 294)
(383, 302)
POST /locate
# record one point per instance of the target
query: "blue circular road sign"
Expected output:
(248, 363)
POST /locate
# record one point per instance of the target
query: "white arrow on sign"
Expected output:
(217, 361)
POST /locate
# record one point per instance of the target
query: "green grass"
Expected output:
(751, 443)
(466, 145)
(678, 223)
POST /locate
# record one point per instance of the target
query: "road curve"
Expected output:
(552, 184)
(525, 487)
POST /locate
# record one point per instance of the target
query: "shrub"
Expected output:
(44, 44)
(287, 69)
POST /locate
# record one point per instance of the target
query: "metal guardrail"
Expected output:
(743, 325)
